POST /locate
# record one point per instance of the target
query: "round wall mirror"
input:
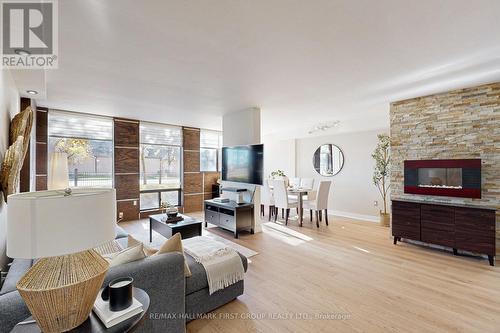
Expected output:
(328, 160)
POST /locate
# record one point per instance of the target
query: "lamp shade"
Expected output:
(50, 223)
(58, 174)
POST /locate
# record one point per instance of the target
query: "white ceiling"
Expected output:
(302, 62)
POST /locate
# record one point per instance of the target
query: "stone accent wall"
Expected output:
(462, 123)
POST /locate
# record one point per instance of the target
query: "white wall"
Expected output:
(352, 193)
(279, 154)
(9, 105)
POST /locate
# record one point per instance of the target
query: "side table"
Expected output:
(93, 324)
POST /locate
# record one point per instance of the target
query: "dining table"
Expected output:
(300, 193)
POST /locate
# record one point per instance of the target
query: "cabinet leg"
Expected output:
(455, 252)
(491, 259)
(395, 240)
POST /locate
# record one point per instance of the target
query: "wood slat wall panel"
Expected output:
(209, 178)
(130, 212)
(126, 166)
(193, 183)
(24, 175)
(41, 158)
(191, 161)
(126, 132)
(41, 124)
(127, 187)
(193, 203)
(126, 160)
(193, 178)
(191, 138)
(41, 183)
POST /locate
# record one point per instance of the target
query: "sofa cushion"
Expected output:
(120, 233)
(16, 271)
(198, 279)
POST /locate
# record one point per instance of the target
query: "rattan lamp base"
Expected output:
(60, 291)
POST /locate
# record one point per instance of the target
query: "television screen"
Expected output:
(243, 164)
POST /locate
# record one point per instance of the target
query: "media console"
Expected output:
(230, 216)
(452, 225)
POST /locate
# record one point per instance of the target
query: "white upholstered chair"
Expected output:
(267, 199)
(320, 202)
(294, 182)
(281, 199)
(307, 183)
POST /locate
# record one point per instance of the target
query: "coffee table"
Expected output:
(189, 227)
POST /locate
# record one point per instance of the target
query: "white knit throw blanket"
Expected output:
(222, 264)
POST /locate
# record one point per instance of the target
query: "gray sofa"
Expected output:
(174, 299)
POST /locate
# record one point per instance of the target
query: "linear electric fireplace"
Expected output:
(452, 178)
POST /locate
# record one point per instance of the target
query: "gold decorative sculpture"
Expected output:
(11, 166)
(19, 136)
(21, 126)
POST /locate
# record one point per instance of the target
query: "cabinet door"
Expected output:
(475, 230)
(437, 225)
(406, 219)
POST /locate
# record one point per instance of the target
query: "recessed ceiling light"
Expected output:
(32, 92)
(22, 52)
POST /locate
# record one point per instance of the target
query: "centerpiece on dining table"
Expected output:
(171, 213)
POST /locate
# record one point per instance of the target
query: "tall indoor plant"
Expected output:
(381, 155)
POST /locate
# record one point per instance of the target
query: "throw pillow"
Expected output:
(174, 244)
(148, 251)
(127, 255)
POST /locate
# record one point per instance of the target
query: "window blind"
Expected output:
(159, 134)
(77, 125)
(210, 139)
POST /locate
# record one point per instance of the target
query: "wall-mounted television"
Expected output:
(243, 164)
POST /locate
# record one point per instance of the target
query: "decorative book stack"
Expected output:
(110, 318)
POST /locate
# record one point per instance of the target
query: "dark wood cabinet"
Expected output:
(437, 225)
(458, 227)
(407, 215)
(475, 230)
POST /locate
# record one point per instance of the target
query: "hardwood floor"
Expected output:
(351, 268)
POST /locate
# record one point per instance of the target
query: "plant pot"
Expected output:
(385, 219)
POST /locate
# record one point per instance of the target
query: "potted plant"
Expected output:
(279, 175)
(381, 155)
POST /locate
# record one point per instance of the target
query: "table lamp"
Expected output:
(62, 228)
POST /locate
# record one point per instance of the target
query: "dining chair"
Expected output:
(307, 183)
(267, 199)
(281, 199)
(320, 202)
(294, 182)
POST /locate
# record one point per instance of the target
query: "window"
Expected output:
(88, 142)
(210, 149)
(160, 165)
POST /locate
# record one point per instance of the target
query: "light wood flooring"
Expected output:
(351, 270)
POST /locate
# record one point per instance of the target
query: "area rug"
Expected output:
(158, 240)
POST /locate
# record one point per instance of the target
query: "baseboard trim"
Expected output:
(369, 218)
